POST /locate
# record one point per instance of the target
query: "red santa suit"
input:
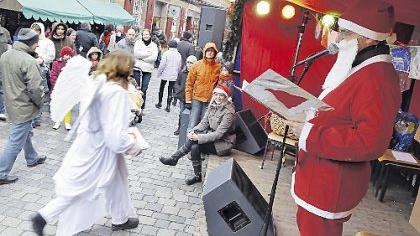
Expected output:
(333, 170)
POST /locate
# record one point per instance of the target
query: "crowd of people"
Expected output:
(30, 69)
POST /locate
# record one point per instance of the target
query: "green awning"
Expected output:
(107, 13)
(53, 10)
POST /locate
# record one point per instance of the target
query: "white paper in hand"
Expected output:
(143, 144)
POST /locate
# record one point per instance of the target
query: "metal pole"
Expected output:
(301, 31)
(267, 217)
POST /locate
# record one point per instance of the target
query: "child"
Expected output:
(94, 55)
(65, 54)
(179, 88)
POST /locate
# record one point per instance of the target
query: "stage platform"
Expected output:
(387, 218)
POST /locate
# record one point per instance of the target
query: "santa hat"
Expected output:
(373, 19)
(223, 89)
(66, 51)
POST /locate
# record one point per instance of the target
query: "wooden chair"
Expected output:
(277, 141)
(383, 167)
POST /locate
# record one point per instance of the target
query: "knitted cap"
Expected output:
(28, 36)
(66, 51)
(172, 44)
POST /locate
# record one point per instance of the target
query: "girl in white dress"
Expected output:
(92, 181)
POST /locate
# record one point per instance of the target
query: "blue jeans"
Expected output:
(145, 80)
(198, 109)
(19, 138)
(2, 109)
(181, 106)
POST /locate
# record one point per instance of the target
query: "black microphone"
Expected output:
(332, 49)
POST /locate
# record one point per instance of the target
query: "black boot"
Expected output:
(159, 104)
(179, 126)
(197, 174)
(173, 160)
(130, 224)
(38, 224)
(168, 104)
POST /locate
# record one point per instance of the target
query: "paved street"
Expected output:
(165, 205)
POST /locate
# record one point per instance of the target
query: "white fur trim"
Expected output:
(315, 210)
(362, 30)
(375, 59)
(304, 135)
(219, 90)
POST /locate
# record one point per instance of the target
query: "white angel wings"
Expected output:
(69, 87)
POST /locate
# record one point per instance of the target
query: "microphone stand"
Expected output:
(308, 64)
(301, 31)
(268, 216)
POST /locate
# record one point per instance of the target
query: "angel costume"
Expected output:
(92, 181)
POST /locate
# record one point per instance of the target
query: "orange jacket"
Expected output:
(202, 78)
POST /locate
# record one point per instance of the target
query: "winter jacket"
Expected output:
(93, 50)
(59, 43)
(218, 126)
(56, 68)
(85, 39)
(170, 65)
(179, 87)
(46, 48)
(126, 45)
(185, 48)
(22, 83)
(5, 40)
(202, 78)
(145, 56)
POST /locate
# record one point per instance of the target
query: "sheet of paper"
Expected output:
(404, 156)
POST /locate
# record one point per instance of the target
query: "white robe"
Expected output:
(93, 173)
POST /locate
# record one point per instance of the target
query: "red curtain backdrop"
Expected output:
(270, 41)
(415, 100)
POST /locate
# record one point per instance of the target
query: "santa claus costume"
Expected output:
(333, 170)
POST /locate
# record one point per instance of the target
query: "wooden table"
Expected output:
(387, 162)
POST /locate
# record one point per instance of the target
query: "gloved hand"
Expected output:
(188, 106)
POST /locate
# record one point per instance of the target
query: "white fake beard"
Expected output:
(347, 53)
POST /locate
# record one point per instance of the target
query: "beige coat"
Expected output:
(218, 126)
(22, 83)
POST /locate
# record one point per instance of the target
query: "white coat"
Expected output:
(170, 65)
(46, 48)
(145, 55)
(93, 174)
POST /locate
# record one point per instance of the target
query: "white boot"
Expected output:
(56, 125)
(68, 126)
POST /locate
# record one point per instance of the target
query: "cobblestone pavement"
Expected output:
(165, 205)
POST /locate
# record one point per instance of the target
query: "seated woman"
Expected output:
(214, 134)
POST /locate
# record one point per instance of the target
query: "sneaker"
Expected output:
(56, 125)
(68, 126)
(3, 117)
(38, 224)
(40, 160)
(130, 224)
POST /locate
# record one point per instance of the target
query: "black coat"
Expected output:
(186, 49)
(85, 40)
(179, 87)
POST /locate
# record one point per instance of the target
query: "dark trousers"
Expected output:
(196, 149)
(142, 79)
(170, 90)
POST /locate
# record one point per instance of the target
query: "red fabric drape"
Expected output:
(270, 41)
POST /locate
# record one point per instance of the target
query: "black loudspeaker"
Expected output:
(232, 203)
(250, 136)
(212, 26)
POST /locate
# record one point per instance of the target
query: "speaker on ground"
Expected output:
(232, 203)
(250, 136)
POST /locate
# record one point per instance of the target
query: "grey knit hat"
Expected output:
(172, 44)
(26, 34)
